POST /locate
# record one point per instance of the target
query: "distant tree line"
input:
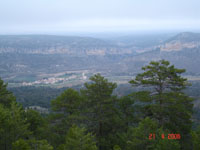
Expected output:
(96, 119)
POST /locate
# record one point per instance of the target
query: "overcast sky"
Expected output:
(56, 16)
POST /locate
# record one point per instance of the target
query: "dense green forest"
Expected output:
(159, 116)
(42, 95)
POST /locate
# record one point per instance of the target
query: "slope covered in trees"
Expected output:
(157, 117)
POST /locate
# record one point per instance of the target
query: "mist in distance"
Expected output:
(98, 16)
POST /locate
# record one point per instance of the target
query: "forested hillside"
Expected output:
(156, 116)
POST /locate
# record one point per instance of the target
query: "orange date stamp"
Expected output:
(152, 136)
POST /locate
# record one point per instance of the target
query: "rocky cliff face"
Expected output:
(49, 44)
(182, 41)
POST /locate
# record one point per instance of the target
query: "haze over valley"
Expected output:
(63, 61)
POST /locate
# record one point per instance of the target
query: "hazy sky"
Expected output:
(56, 16)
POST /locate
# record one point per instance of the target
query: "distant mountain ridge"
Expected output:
(42, 54)
(181, 41)
(52, 44)
(186, 37)
(182, 50)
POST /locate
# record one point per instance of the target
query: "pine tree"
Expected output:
(101, 112)
(31, 144)
(6, 97)
(78, 139)
(138, 137)
(163, 99)
(196, 139)
(148, 136)
(38, 124)
(12, 125)
(21, 145)
(67, 108)
(127, 112)
(39, 144)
